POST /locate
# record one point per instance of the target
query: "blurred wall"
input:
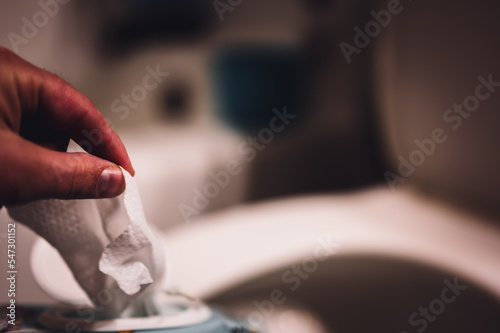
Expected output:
(427, 65)
(334, 143)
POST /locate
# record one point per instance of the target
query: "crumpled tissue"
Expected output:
(107, 244)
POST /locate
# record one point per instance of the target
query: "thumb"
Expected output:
(82, 176)
(35, 172)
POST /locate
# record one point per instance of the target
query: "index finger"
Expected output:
(67, 110)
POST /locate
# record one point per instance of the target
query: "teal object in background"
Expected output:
(251, 80)
(217, 323)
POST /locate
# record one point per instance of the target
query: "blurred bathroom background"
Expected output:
(228, 69)
(199, 91)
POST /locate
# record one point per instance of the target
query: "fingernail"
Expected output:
(111, 183)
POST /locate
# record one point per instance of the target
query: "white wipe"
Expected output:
(106, 243)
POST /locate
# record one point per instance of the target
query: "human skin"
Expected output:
(39, 113)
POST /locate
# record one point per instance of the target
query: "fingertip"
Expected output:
(111, 182)
(129, 168)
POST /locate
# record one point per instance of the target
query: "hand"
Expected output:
(39, 113)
